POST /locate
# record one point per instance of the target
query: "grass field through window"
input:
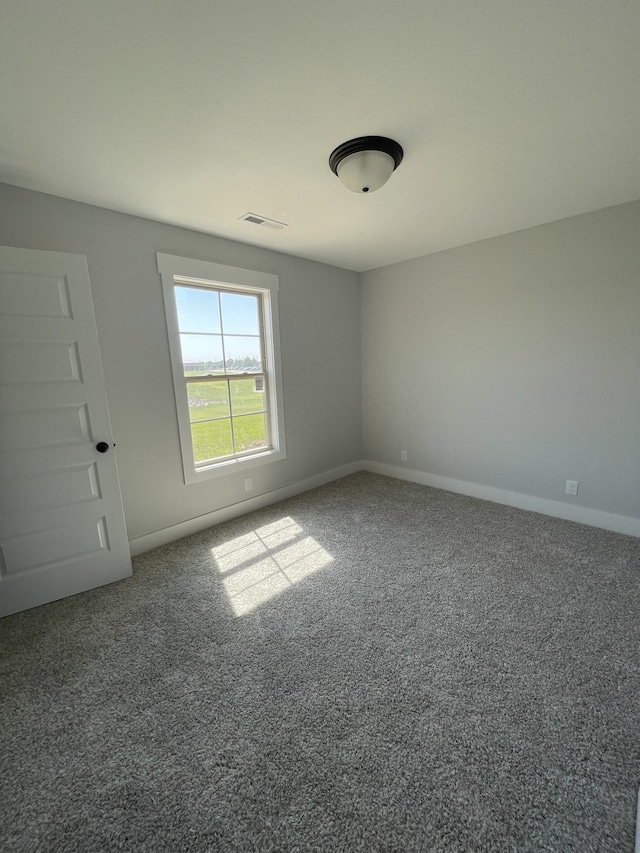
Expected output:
(227, 416)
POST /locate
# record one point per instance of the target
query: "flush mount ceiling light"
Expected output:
(366, 163)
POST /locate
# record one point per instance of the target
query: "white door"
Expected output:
(62, 528)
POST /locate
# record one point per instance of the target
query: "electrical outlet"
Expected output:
(248, 484)
(571, 487)
(403, 455)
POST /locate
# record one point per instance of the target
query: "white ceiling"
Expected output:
(511, 113)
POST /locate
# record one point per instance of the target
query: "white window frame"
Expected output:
(174, 271)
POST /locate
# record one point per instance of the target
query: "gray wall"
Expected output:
(319, 322)
(513, 362)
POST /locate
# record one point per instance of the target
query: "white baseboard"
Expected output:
(202, 522)
(570, 512)
(558, 509)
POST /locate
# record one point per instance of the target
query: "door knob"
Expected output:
(102, 447)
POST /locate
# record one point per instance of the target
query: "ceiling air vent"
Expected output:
(255, 219)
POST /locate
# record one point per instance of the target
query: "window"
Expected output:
(223, 338)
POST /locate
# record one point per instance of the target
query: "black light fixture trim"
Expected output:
(366, 143)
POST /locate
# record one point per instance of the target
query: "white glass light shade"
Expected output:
(365, 171)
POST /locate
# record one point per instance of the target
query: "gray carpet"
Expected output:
(371, 666)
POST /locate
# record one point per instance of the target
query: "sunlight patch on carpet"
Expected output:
(264, 563)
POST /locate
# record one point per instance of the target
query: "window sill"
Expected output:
(232, 466)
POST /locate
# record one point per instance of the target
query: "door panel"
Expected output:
(62, 527)
(35, 362)
(62, 486)
(29, 429)
(47, 548)
(35, 295)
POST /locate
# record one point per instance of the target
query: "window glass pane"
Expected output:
(240, 314)
(211, 439)
(198, 309)
(249, 432)
(208, 400)
(244, 398)
(242, 353)
(201, 354)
